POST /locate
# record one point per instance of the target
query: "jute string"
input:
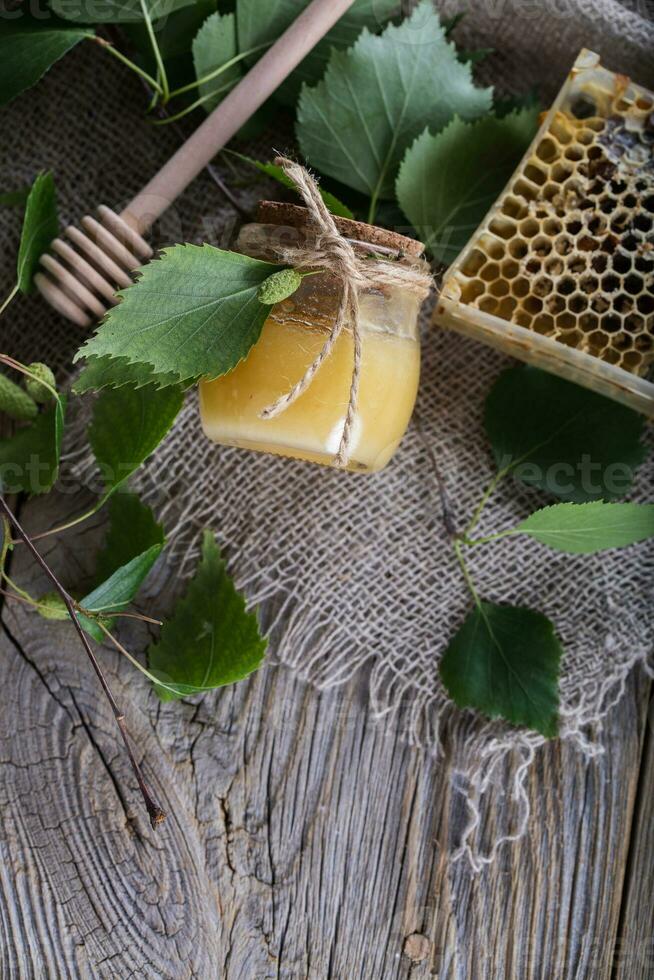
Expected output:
(327, 250)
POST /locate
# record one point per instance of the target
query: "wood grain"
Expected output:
(303, 840)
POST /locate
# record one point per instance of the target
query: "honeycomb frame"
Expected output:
(560, 273)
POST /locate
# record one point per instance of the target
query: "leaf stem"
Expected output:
(372, 210)
(192, 106)
(111, 49)
(161, 71)
(492, 486)
(218, 71)
(135, 663)
(155, 812)
(8, 299)
(466, 573)
(74, 521)
(472, 542)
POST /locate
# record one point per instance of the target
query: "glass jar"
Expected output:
(294, 334)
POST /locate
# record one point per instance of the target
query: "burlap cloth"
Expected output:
(349, 569)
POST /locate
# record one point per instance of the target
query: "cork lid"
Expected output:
(295, 216)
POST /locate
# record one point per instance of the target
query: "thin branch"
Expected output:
(446, 505)
(155, 812)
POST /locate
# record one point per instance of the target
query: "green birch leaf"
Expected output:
(192, 313)
(210, 640)
(28, 48)
(29, 460)
(15, 199)
(134, 542)
(40, 226)
(504, 661)
(213, 46)
(375, 98)
(333, 204)
(561, 438)
(127, 426)
(447, 182)
(115, 11)
(584, 528)
(115, 595)
(259, 23)
(133, 530)
(115, 372)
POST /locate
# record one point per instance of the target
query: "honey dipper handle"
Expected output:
(239, 105)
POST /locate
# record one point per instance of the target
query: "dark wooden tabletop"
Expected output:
(303, 840)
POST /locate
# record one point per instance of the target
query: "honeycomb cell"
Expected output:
(644, 343)
(566, 321)
(634, 284)
(472, 289)
(576, 264)
(527, 191)
(502, 227)
(529, 227)
(642, 222)
(563, 245)
(514, 207)
(598, 339)
(522, 319)
(506, 307)
(532, 304)
(555, 266)
(510, 269)
(473, 263)
(543, 323)
(634, 323)
(542, 286)
(577, 303)
(588, 322)
(490, 272)
(599, 262)
(518, 248)
(560, 172)
(612, 323)
(488, 304)
(520, 287)
(547, 150)
(589, 284)
(610, 283)
(499, 288)
(567, 286)
(632, 360)
(552, 227)
(574, 153)
(535, 174)
(555, 304)
(572, 338)
(645, 304)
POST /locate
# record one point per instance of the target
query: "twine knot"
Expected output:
(329, 251)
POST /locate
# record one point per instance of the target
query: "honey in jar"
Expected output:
(295, 333)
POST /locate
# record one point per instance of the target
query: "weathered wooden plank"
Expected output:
(303, 840)
(634, 948)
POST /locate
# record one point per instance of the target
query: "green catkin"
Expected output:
(52, 606)
(279, 286)
(15, 402)
(33, 386)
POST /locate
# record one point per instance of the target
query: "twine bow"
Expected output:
(329, 251)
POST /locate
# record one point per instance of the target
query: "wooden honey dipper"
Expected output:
(82, 275)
